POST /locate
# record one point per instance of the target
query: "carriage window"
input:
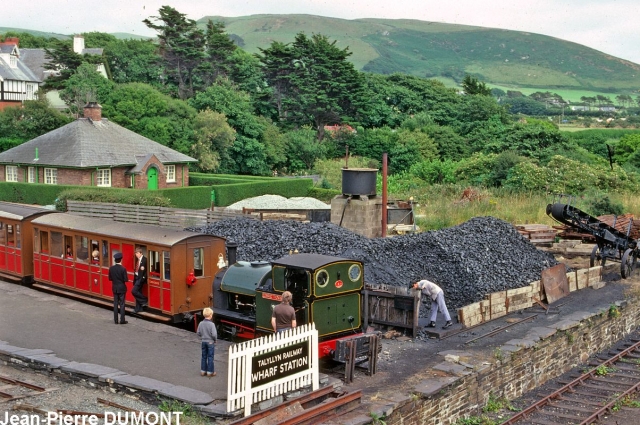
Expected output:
(154, 264)
(36, 239)
(166, 263)
(82, 248)
(11, 239)
(57, 244)
(105, 253)
(198, 266)
(68, 248)
(3, 239)
(18, 238)
(44, 243)
(95, 252)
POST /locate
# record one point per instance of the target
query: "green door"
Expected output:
(152, 178)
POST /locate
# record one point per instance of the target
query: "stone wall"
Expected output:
(360, 214)
(515, 369)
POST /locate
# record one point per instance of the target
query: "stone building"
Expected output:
(93, 151)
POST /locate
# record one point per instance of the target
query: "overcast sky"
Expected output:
(607, 25)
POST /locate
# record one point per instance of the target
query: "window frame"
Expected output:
(11, 173)
(50, 176)
(31, 174)
(100, 177)
(171, 173)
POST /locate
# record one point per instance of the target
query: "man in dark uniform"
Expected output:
(118, 278)
(139, 279)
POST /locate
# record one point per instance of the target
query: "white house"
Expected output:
(17, 82)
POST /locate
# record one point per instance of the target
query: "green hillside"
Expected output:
(437, 50)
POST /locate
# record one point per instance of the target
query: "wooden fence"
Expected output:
(158, 216)
(273, 365)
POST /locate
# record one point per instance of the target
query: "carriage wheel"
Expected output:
(597, 257)
(628, 263)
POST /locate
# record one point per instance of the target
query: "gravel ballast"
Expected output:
(481, 256)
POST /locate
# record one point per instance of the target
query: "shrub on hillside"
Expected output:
(435, 172)
(602, 205)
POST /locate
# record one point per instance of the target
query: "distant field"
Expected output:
(567, 94)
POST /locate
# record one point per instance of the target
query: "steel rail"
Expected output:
(497, 331)
(576, 382)
(321, 411)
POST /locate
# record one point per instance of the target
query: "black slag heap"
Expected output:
(478, 257)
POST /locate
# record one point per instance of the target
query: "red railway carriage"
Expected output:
(73, 254)
(16, 239)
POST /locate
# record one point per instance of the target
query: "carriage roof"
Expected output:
(309, 261)
(20, 211)
(156, 235)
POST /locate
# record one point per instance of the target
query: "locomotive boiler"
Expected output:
(326, 291)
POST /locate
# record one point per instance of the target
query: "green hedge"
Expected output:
(227, 191)
(227, 194)
(192, 197)
(30, 193)
(230, 189)
(325, 195)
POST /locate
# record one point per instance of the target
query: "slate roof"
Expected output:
(84, 143)
(20, 73)
(35, 60)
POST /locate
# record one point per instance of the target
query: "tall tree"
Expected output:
(181, 47)
(472, 86)
(213, 136)
(313, 82)
(218, 51)
(133, 61)
(85, 85)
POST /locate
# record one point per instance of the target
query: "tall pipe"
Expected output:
(232, 250)
(384, 195)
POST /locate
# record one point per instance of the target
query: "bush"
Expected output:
(325, 195)
(112, 196)
(602, 205)
(435, 172)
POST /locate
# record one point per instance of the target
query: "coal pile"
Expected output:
(478, 257)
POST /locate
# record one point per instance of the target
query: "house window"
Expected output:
(171, 173)
(50, 176)
(31, 174)
(104, 177)
(13, 62)
(12, 173)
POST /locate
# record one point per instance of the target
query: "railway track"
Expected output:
(313, 408)
(598, 396)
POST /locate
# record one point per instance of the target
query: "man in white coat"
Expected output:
(436, 294)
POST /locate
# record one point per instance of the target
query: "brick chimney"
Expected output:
(78, 44)
(93, 111)
(11, 40)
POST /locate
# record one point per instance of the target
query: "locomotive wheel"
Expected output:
(628, 263)
(596, 257)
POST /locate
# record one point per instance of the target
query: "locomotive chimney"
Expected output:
(232, 250)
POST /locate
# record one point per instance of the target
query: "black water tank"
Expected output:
(359, 181)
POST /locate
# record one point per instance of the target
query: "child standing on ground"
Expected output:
(208, 334)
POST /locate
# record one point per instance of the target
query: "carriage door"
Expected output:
(3, 247)
(13, 253)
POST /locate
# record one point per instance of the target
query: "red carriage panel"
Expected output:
(82, 277)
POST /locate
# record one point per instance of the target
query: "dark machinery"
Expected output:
(611, 243)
